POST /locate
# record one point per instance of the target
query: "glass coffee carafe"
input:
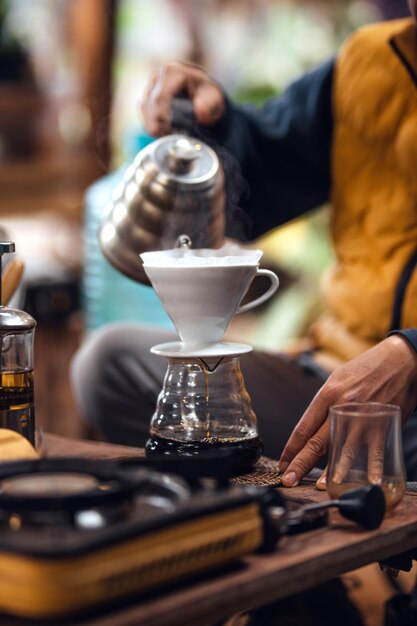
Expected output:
(204, 407)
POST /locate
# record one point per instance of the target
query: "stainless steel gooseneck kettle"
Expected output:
(174, 186)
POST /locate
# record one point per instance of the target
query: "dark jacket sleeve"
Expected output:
(410, 334)
(283, 150)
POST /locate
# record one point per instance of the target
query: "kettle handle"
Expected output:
(182, 113)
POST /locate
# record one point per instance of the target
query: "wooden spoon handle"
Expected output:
(11, 278)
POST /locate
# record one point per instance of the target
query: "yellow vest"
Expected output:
(374, 190)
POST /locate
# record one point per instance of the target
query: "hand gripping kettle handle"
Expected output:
(182, 114)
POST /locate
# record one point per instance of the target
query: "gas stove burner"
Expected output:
(80, 493)
(48, 484)
(67, 483)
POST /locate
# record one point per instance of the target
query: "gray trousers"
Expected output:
(116, 381)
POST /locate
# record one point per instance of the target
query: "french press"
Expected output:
(17, 328)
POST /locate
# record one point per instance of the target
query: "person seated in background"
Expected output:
(346, 132)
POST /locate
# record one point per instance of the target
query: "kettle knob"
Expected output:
(183, 154)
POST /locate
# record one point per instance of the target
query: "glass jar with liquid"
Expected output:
(17, 406)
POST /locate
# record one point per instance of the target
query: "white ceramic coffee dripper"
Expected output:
(201, 289)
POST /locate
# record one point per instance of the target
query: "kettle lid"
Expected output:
(183, 160)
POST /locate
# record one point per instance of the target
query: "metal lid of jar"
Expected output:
(14, 319)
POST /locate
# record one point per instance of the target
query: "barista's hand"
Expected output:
(386, 373)
(170, 80)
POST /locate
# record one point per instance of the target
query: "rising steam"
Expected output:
(236, 188)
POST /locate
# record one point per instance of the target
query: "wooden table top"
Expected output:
(300, 562)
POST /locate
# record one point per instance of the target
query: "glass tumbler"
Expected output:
(366, 447)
